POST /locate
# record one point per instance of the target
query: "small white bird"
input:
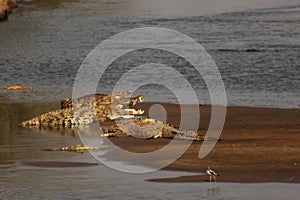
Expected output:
(211, 174)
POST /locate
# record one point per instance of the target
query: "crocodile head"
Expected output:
(122, 108)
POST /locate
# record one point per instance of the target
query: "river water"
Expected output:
(44, 43)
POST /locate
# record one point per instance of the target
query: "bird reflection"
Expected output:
(212, 191)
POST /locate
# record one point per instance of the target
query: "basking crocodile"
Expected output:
(86, 110)
(148, 128)
(115, 114)
(16, 87)
(79, 148)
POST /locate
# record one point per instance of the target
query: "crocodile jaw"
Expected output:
(134, 111)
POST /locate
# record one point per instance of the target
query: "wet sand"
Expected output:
(256, 145)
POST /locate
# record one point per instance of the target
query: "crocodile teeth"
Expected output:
(140, 111)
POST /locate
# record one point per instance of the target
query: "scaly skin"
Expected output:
(16, 87)
(86, 110)
(76, 148)
(148, 128)
(101, 108)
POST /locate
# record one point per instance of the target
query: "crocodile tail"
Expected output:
(32, 122)
(53, 118)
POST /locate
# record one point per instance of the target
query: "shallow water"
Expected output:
(44, 42)
(22, 178)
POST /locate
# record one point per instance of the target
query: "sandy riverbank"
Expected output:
(256, 145)
(6, 7)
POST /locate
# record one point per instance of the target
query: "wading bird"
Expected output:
(211, 174)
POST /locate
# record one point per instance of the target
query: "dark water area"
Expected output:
(44, 43)
(255, 45)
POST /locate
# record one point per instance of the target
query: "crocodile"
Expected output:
(148, 128)
(79, 148)
(86, 110)
(16, 87)
(115, 114)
